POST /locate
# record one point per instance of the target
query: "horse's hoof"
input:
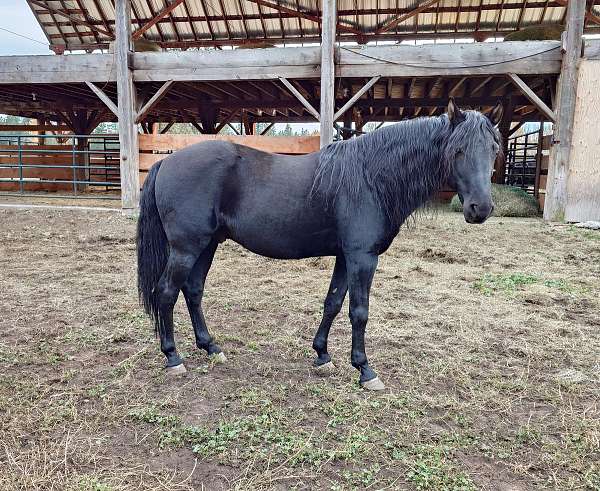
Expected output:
(218, 357)
(373, 384)
(325, 368)
(177, 370)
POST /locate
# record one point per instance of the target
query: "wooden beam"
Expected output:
(227, 120)
(356, 96)
(475, 59)
(588, 15)
(154, 100)
(328, 31)
(128, 134)
(301, 98)
(104, 98)
(238, 64)
(532, 96)
(265, 130)
(49, 69)
(304, 15)
(167, 128)
(159, 15)
(466, 59)
(558, 168)
(72, 18)
(398, 20)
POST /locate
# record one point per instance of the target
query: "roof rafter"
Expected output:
(588, 14)
(397, 20)
(72, 18)
(304, 15)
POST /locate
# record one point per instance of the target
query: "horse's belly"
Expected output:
(272, 240)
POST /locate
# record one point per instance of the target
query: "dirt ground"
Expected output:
(488, 338)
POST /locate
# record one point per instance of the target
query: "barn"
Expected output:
(487, 337)
(342, 65)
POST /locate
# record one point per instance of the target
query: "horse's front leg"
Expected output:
(361, 268)
(333, 304)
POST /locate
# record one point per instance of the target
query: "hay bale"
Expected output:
(139, 45)
(544, 32)
(510, 202)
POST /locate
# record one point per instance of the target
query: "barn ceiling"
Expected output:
(186, 24)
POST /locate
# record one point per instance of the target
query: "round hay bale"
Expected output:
(544, 32)
(509, 201)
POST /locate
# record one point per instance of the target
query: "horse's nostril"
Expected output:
(473, 207)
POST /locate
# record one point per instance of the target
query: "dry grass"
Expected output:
(487, 337)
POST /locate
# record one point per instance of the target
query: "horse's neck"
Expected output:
(417, 173)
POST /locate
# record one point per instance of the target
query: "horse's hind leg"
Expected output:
(176, 272)
(333, 304)
(193, 289)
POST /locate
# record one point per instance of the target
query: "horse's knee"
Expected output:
(359, 315)
(333, 305)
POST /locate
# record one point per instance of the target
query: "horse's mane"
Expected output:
(401, 164)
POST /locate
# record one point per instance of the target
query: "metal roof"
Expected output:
(89, 24)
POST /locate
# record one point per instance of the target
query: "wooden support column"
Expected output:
(504, 128)
(327, 71)
(128, 133)
(556, 193)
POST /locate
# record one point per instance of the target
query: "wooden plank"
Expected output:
(250, 64)
(295, 145)
(523, 57)
(592, 49)
(583, 184)
(262, 64)
(104, 98)
(147, 160)
(558, 171)
(532, 96)
(130, 181)
(300, 97)
(327, 71)
(356, 96)
(50, 69)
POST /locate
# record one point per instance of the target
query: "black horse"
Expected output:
(347, 200)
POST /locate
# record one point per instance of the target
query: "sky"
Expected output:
(16, 16)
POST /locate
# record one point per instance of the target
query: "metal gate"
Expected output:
(73, 166)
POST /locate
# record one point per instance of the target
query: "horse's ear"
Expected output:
(496, 115)
(455, 115)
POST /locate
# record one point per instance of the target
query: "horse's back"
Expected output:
(260, 200)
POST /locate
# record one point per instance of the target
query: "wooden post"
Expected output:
(504, 128)
(538, 160)
(558, 169)
(128, 133)
(327, 71)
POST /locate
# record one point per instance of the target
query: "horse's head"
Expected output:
(472, 148)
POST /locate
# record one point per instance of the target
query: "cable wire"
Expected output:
(447, 67)
(22, 36)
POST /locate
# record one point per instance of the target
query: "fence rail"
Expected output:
(75, 166)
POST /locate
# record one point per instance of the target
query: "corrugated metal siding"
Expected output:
(187, 22)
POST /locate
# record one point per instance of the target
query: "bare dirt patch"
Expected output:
(487, 337)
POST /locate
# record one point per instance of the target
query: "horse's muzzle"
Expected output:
(477, 213)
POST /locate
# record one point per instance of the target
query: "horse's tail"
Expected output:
(152, 248)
